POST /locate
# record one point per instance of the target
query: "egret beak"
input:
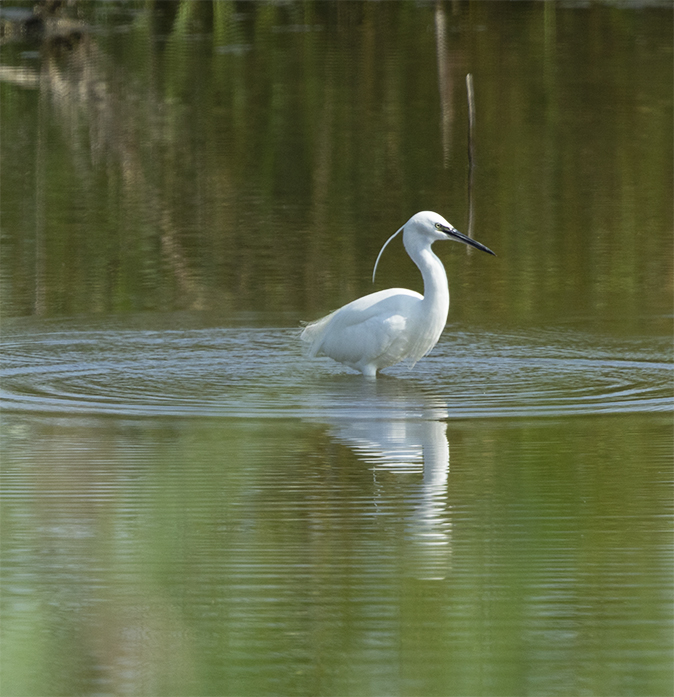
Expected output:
(454, 234)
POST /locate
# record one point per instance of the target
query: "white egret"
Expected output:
(385, 327)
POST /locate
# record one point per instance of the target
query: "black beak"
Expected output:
(456, 235)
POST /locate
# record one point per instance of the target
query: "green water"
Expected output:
(176, 557)
(190, 506)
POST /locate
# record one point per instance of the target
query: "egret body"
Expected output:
(383, 328)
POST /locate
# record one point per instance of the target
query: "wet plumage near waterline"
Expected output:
(389, 326)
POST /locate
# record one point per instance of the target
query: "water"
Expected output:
(248, 372)
(191, 507)
(272, 556)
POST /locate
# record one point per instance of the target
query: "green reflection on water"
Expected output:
(254, 156)
(242, 557)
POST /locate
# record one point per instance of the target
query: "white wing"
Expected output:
(365, 329)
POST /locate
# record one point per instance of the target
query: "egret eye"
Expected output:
(438, 227)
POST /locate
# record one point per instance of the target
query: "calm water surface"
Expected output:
(191, 507)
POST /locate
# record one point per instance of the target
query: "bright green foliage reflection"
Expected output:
(259, 558)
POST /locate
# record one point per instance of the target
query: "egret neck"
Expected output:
(435, 304)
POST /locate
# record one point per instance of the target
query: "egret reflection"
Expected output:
(398, 428)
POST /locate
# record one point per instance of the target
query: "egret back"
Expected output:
(372, 328)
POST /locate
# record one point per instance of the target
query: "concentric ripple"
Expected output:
(246, 372)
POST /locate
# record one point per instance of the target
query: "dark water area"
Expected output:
(191, 506)
(253, 157)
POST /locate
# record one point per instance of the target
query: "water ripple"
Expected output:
(244, 371)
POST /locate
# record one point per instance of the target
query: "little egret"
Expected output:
(385, 327)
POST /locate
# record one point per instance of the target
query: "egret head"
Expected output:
(434, 227)
(427, 227)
